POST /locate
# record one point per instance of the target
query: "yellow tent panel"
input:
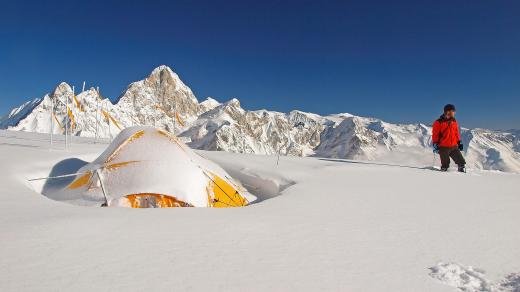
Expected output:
(224, 194)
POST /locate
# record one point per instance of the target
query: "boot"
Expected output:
(444, 169)
(462, 168)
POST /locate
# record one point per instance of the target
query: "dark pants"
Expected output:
(446, 152)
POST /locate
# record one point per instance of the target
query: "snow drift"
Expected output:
(148, 167)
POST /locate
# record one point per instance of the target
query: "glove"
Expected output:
(435, 148)
(461, 146)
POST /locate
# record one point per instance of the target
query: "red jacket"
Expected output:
(445, 132)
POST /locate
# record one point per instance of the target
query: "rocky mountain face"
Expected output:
(164, 101)
(162, 98)
(229, 127)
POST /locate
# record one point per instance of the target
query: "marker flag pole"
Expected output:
(97, 114)
(72, 113)
(66, 121)
(108, 121)
(52, 115)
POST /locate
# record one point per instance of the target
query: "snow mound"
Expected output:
(511, 283)
(147, 167)
(470, 279)
(464, 278)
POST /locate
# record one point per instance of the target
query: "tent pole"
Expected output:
(108, 122)
(102, 189)
(109, 130)
(72, 113)
(52, 115)
(97, 114)
(66, 120)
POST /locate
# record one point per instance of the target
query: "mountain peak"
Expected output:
(161, 69)
(233, 102)
(208, 104)
(64, 85)
(62, 89)
(163, 76)
(162, 90)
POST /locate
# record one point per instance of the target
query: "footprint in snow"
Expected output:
(470, 279)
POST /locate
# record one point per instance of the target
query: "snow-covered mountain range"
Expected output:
(164, 101)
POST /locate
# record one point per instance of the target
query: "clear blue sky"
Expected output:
(397, 60)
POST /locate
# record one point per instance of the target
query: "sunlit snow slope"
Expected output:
(319, 224)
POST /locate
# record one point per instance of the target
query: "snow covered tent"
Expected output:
(147, 167)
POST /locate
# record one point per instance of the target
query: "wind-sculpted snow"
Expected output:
(162, 100)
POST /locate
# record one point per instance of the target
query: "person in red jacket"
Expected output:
(446, 139)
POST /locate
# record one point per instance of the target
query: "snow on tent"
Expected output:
(146, 167)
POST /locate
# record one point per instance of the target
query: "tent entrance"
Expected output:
(148, 200)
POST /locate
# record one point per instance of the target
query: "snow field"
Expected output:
(319, 224)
